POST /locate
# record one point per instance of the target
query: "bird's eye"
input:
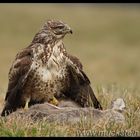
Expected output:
(61, 26)
(58, 27)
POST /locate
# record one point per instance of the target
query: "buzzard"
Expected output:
(45, 72)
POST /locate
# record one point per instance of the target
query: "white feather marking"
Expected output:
(39, 49)
(53, 67)
(56, 57)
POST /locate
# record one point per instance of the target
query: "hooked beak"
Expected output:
(71, 31)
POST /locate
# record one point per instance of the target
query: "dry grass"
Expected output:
(23, 127)
(106, 39)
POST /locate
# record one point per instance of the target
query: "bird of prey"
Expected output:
(45, 72)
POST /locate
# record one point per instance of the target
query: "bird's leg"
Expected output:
(54, 101)
(27, 104)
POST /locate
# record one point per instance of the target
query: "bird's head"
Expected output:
(58, 28)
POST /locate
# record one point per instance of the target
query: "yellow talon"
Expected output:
(27, 104)
(54, 101)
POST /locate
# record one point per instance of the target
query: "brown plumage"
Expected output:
(44, 70)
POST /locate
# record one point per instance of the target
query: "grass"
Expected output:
(23, 127)
(105, 39)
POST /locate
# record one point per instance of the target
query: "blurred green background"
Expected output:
(106, 38)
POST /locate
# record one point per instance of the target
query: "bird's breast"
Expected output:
(51, 71)
(54, 67)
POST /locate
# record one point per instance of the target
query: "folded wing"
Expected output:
(17, 77)
(79, 88)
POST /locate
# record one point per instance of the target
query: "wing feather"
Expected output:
(79, 88)
(19, 68)
(17, 77)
